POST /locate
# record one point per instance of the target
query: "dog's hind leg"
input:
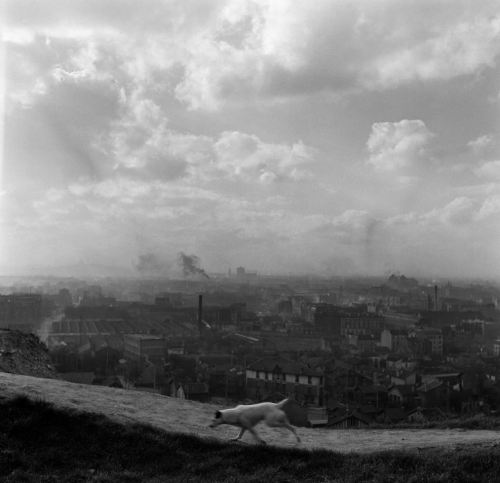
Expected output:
(242, 431)
(287, 425)
(282, 422)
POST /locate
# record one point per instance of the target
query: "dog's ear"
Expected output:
(218, 414)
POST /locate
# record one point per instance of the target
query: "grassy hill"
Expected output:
(191, 417)
(52, 430)
(42, 443)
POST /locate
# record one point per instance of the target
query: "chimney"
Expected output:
(200, 312)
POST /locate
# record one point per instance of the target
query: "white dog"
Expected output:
(249, 415)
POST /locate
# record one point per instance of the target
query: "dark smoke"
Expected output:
(190, 265)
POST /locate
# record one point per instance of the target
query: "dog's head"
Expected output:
(217, 419)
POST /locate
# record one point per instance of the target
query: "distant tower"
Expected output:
(436, 306)
(240, 272)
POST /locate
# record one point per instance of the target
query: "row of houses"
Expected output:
(373, 390)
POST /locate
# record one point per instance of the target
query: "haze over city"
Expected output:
(326, 137)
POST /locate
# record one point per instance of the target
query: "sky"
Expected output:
(330, 137)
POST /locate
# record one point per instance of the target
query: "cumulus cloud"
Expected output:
(481, 144)
(489, 170)
(395, 145)
(461, 46)
(243, 155)
(172, 216)
(153, 123)
(365, 45)
(243, 50)
(27, 66)
(459, 211)
(129, 190)
(141, 142)
(490, 207)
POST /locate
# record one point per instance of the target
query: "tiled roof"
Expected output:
(429, 386)
(354, 414)
(276, 364)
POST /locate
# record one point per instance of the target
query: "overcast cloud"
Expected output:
(330, 136)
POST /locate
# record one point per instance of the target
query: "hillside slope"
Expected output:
(22, 353)
(193, 418)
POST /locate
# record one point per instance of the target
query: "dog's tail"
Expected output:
(281, 403)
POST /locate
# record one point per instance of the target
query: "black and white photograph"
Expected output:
(249, 240)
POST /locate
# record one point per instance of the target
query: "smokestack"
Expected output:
(436, 298)
(200, 312)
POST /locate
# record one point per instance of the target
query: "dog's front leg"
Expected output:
(256, 436)
(242, 431)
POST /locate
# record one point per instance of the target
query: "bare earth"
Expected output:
(193, 418)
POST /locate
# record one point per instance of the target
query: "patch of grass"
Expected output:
(41, 443)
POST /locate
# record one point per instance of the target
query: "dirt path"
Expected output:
(192, 417)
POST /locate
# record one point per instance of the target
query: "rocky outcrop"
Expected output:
(22, 353)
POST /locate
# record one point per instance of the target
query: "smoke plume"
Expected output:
(190, 265)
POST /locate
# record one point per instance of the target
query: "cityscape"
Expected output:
(349, 352)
